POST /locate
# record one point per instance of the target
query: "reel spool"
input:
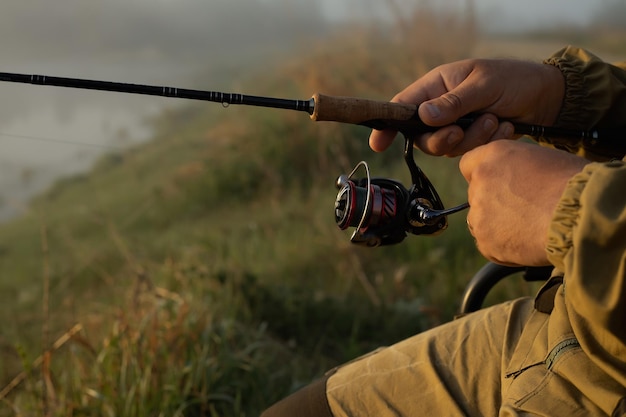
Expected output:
(383, 211)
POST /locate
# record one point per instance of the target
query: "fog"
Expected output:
(47, 132)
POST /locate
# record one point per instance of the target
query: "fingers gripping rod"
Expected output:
(371, 113)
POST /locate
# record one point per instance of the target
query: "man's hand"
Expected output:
(520, 91)
(514, 188)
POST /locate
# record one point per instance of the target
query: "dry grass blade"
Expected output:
(40, 359)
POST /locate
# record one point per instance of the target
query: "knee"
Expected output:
(310, 401)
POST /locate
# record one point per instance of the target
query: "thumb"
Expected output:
(454, 104)
(442, 110)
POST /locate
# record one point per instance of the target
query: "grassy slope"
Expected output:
(205, 267)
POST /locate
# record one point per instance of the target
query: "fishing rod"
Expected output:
(381, 210)
(371, 113)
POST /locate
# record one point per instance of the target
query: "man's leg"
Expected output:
(454, 369)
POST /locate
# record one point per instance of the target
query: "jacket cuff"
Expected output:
(585, 76)
(567, 214)
(565, 219)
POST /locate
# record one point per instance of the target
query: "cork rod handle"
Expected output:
(359, 110)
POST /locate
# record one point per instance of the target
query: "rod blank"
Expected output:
(151, 90)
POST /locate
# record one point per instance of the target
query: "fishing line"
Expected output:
(62, 141)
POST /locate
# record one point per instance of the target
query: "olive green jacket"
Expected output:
(587, 237)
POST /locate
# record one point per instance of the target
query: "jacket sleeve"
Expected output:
(587, 242)
(595, 97)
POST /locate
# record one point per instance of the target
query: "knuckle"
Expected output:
(453, 100)
(465, 164)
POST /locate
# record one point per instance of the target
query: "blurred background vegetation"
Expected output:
(201, 273)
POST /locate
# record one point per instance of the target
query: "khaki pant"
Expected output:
(507, 360)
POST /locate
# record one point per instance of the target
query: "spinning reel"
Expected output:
(383, 211)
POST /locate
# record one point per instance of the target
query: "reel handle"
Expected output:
(420, 215)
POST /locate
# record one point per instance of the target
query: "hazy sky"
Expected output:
(494, 14)
(509, 14)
